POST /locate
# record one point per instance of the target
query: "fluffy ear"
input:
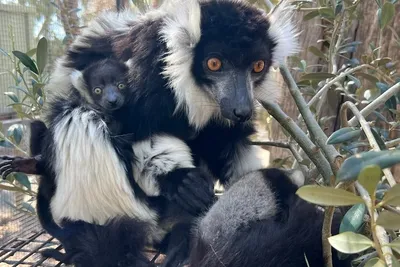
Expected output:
(283, 31)
(79, 84)
(77, 80)
(182, 23)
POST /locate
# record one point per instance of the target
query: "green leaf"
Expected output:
(386, 14)
(41, 55)
(370, 177)
(317, 52)
(318, 76)
(344, 134)
(27, 61)
(327, 196)
(350, 243)
(353, 219)
(15, 132)
(31, 52)
(5, 143)
(19, 88)
(311, 15)
(11, 188)
(12, 96)
(378, 139)
(339, 7)
(355, 80)
(28, 207)
(326, 12)
(392, 196)
(395, 262)
(375, 262)
(395, 245)
(353, 165)
(369, 77)
(23, 179)
(389, 220)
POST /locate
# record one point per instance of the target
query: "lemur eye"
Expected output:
(97, 90)
(214, 64)
(258, 66)
(121, 86)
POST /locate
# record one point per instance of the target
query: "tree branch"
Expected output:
(367, 130)
(377, 102)
(301, 138)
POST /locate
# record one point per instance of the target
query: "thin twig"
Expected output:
(387, 207)
(271, 143)
(316, 132)
(378, 232)
(367, 130)
(377, 102)
(392, 143)
(301, 138)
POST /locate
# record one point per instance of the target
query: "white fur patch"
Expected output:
(283, 32)
(246, 160)
(79, 83)
(181, 33)
(91, 181)
(157, 156)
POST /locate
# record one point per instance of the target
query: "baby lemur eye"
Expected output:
(97, 90)
(258, 66)
(214, 64)
(121, 86)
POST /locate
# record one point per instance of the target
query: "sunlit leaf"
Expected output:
(353, 165)
(386, 14)
(349, 242)
(317, 52)
(367, 76)
(28, 207)
(26, 60)
(12, 96)
(353, 220)
(344, 134)
(31, 52)
(389, 220)
(392, 196)
(327, 196)
(311, 15)
(23, 179)
(395, 245)
(318, 76)
(41, 55)
(369, 177)
(375, 262)
(355, 80)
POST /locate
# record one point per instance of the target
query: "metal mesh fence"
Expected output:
(22, 24)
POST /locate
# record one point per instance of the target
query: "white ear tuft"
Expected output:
(77, 80)
(283, 31)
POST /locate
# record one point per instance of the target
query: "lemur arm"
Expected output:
(165, 167)
(27, 165)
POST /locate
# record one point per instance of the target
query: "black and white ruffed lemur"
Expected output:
(196, 70)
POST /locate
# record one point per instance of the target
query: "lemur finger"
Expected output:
(4, 163)
(7, 172)
(8, 158)
(195, 203)
(5, 167)
(178, 199)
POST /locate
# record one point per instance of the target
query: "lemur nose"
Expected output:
(243, 113)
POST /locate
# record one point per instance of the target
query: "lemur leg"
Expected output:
(28, 165)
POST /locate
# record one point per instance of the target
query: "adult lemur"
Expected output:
(196, 69)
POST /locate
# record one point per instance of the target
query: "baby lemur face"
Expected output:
(106, 83)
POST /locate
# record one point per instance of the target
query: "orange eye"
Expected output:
(214, 64)
(258, 66)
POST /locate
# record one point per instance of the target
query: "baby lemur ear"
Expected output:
(79, 83)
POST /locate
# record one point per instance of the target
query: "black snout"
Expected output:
(243, 113)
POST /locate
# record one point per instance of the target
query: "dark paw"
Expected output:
(8, 165)
(195, 192)
(17, 164)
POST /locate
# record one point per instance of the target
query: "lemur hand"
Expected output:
(190, 188)
(26, 165)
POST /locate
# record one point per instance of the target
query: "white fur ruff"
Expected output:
(157, 156)
(91, 181)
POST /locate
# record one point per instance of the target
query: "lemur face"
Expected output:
(232, 57)
(106, 83)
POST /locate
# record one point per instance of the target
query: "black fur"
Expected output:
(281, 240)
